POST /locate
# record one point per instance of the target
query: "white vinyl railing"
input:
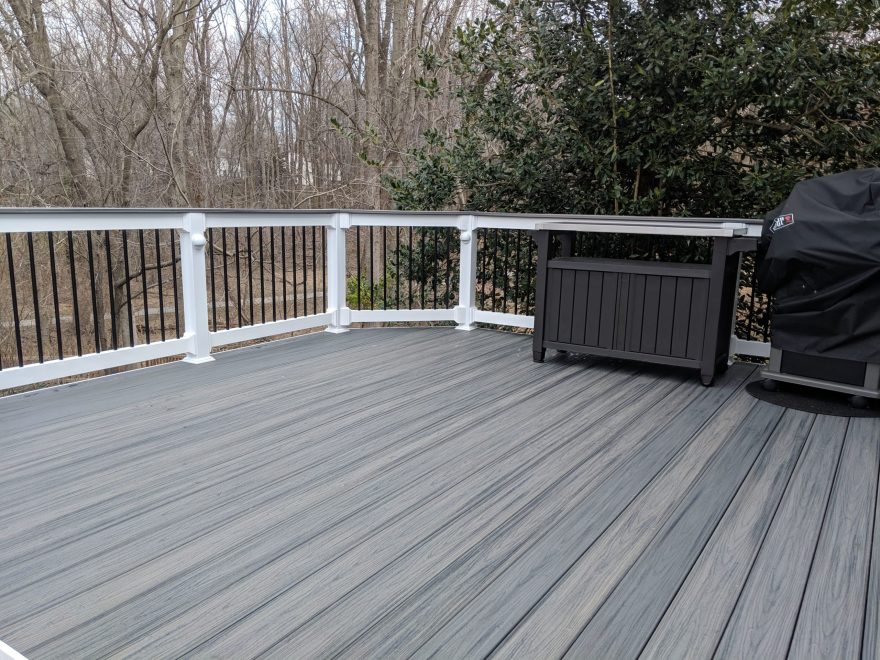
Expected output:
(198, 340)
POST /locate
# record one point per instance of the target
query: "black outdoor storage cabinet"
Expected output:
(666, 313)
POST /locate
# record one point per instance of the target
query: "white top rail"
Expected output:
(15, 220)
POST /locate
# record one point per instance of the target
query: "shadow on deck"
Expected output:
(414, 491)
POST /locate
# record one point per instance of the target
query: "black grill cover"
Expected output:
(819, 259)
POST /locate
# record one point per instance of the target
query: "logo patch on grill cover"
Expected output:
(782, 221)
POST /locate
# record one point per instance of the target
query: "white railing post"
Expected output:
(340, 314)
(467, 274)
(195, 289)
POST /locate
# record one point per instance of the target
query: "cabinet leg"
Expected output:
(708, 379)
(538, 356)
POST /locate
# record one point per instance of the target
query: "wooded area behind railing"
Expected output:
(84, 290)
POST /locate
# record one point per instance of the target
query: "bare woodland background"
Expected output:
(198, 103)
(215, 103)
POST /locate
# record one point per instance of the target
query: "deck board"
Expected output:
(695, 620)
(446, 616)
(763, 621)
(642, 595)
(426, 491)
(604, 556)
(830, 619)
(871, 635)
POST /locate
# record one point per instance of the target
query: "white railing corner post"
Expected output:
(195, 289)
(340, 314)
(467, 274)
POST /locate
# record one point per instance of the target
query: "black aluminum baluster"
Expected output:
(238, 275)
(93, 283)
(127, 269)
(74, 295)
(262, 277)
(529, 293)
(495, 271)
(157, 238)
(397, 264)
(435, 271)
(516, 269)
(372, 260)
(384, 268)
(424, 275)
(16, 316)
(357, 235)
(272, 260)
(293, 266)
(505, 293)
(51, 239)
(225, 278)
(143, 251)
(410, 274)
(751, 317)
(305, 273)
(111, 293)
(213, 280)
(324, 268)
(283, 276)
(172, 236)
(36, 298)
(250, 253)
(483, 270)
(314, 273)
(448, 264)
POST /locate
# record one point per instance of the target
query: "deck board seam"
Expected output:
(873, 564)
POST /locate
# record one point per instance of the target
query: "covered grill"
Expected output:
(819, 260)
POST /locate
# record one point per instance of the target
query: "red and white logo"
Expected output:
(782, 221)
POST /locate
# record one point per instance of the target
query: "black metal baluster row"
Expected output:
(505, 271)
(50, 281)
(420, 261)
(298, 259)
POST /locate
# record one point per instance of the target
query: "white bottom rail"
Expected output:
(502, 318)
(269, 329)
(30, 374)
(401, 315)
(760, 349)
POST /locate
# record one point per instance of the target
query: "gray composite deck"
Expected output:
(396, 492)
